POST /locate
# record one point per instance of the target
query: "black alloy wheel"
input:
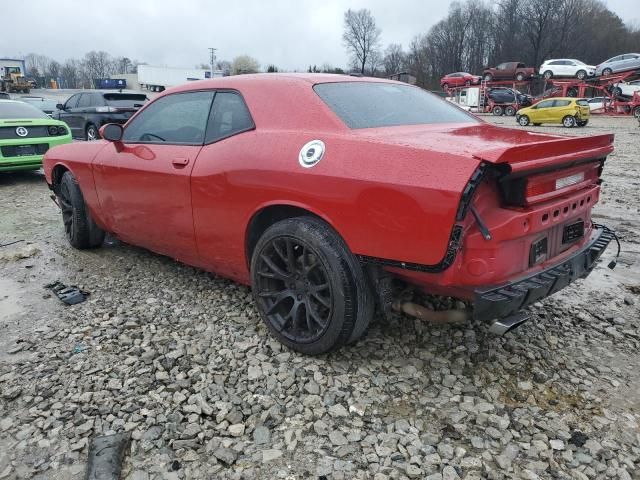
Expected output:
(64, 199)
(79, 228)
(294, 286)
(310, 290)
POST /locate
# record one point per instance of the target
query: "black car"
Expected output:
(86, 112)
(509, 95)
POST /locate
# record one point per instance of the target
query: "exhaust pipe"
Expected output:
(434, 316)
(504, 325)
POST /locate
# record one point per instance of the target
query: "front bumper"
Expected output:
(502, 301)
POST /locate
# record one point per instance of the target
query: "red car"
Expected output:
(459, 79)
(318, 190)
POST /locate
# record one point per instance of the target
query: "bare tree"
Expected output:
(394, 59)
(54, 70)
(244, 64)
(361, 36)
(70, 74)
(374, 62)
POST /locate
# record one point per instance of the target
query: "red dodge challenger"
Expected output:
(319, 190)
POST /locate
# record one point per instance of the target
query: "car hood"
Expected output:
(488, 143)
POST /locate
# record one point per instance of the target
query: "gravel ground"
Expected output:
(180, 359)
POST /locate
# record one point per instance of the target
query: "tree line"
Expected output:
(476, 34)
(77, 72)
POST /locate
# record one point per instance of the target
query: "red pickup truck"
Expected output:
(508, 71)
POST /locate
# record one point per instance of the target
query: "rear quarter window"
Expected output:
(377, 104)
(584, 103)
(124, 100)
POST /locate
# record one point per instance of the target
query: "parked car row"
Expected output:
(558, 67)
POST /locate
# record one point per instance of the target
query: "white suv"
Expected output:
(626, 88)
(566, 67)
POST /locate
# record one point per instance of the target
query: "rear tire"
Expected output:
(523, 120)
(510, 111)
(636, 112)
(497, 110)
(445, 86)
(80, 229)
(310, 290)
(488, 77)
(606, 72)
(569, 121)
(91, 133)
(520, 77)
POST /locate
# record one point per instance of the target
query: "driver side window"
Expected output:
(178, 118)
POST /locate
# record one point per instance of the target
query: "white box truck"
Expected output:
(156, 79)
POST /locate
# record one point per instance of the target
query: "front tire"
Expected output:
(523, 120)
(581, 74)
(583, 123)
(636, 112)
(569, 121)
(310, 290)
(497, 110)
(488, 77)
(520, 77)
(91, 133)
(80, 229)
(548, 75)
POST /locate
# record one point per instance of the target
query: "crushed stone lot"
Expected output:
(180, 359)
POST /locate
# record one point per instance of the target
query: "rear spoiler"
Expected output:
(545, 155)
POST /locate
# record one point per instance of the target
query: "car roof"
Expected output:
(290, 91)
(266, 79)
(10, 101)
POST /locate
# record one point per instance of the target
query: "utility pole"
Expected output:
(212, 53)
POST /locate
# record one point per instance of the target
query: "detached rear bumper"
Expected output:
(502, 301)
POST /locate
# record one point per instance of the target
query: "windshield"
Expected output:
(125, 99)
(370, 105)
(19, 110)
(42, 104)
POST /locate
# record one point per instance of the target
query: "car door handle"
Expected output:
(180, 161)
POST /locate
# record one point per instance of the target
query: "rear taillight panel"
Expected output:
(529, 190)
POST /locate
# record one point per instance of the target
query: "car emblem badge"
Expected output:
(311, 153)
(22, 132)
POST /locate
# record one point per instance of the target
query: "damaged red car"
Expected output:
(319, 190)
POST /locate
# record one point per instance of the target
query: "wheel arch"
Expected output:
(270, 213)
(57, 172)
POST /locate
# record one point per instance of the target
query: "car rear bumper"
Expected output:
(503, 301)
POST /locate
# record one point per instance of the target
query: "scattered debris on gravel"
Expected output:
(180, 360)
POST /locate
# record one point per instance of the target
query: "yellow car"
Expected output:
(568, 111)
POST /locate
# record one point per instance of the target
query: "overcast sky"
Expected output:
(288, 33)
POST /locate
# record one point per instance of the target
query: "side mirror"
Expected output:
(60, 106)
(111, 132)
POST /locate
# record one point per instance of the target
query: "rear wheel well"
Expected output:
(267, 217)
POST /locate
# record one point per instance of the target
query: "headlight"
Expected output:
(53, 130)
(62, 130)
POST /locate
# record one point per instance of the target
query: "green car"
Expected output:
(26, 133)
